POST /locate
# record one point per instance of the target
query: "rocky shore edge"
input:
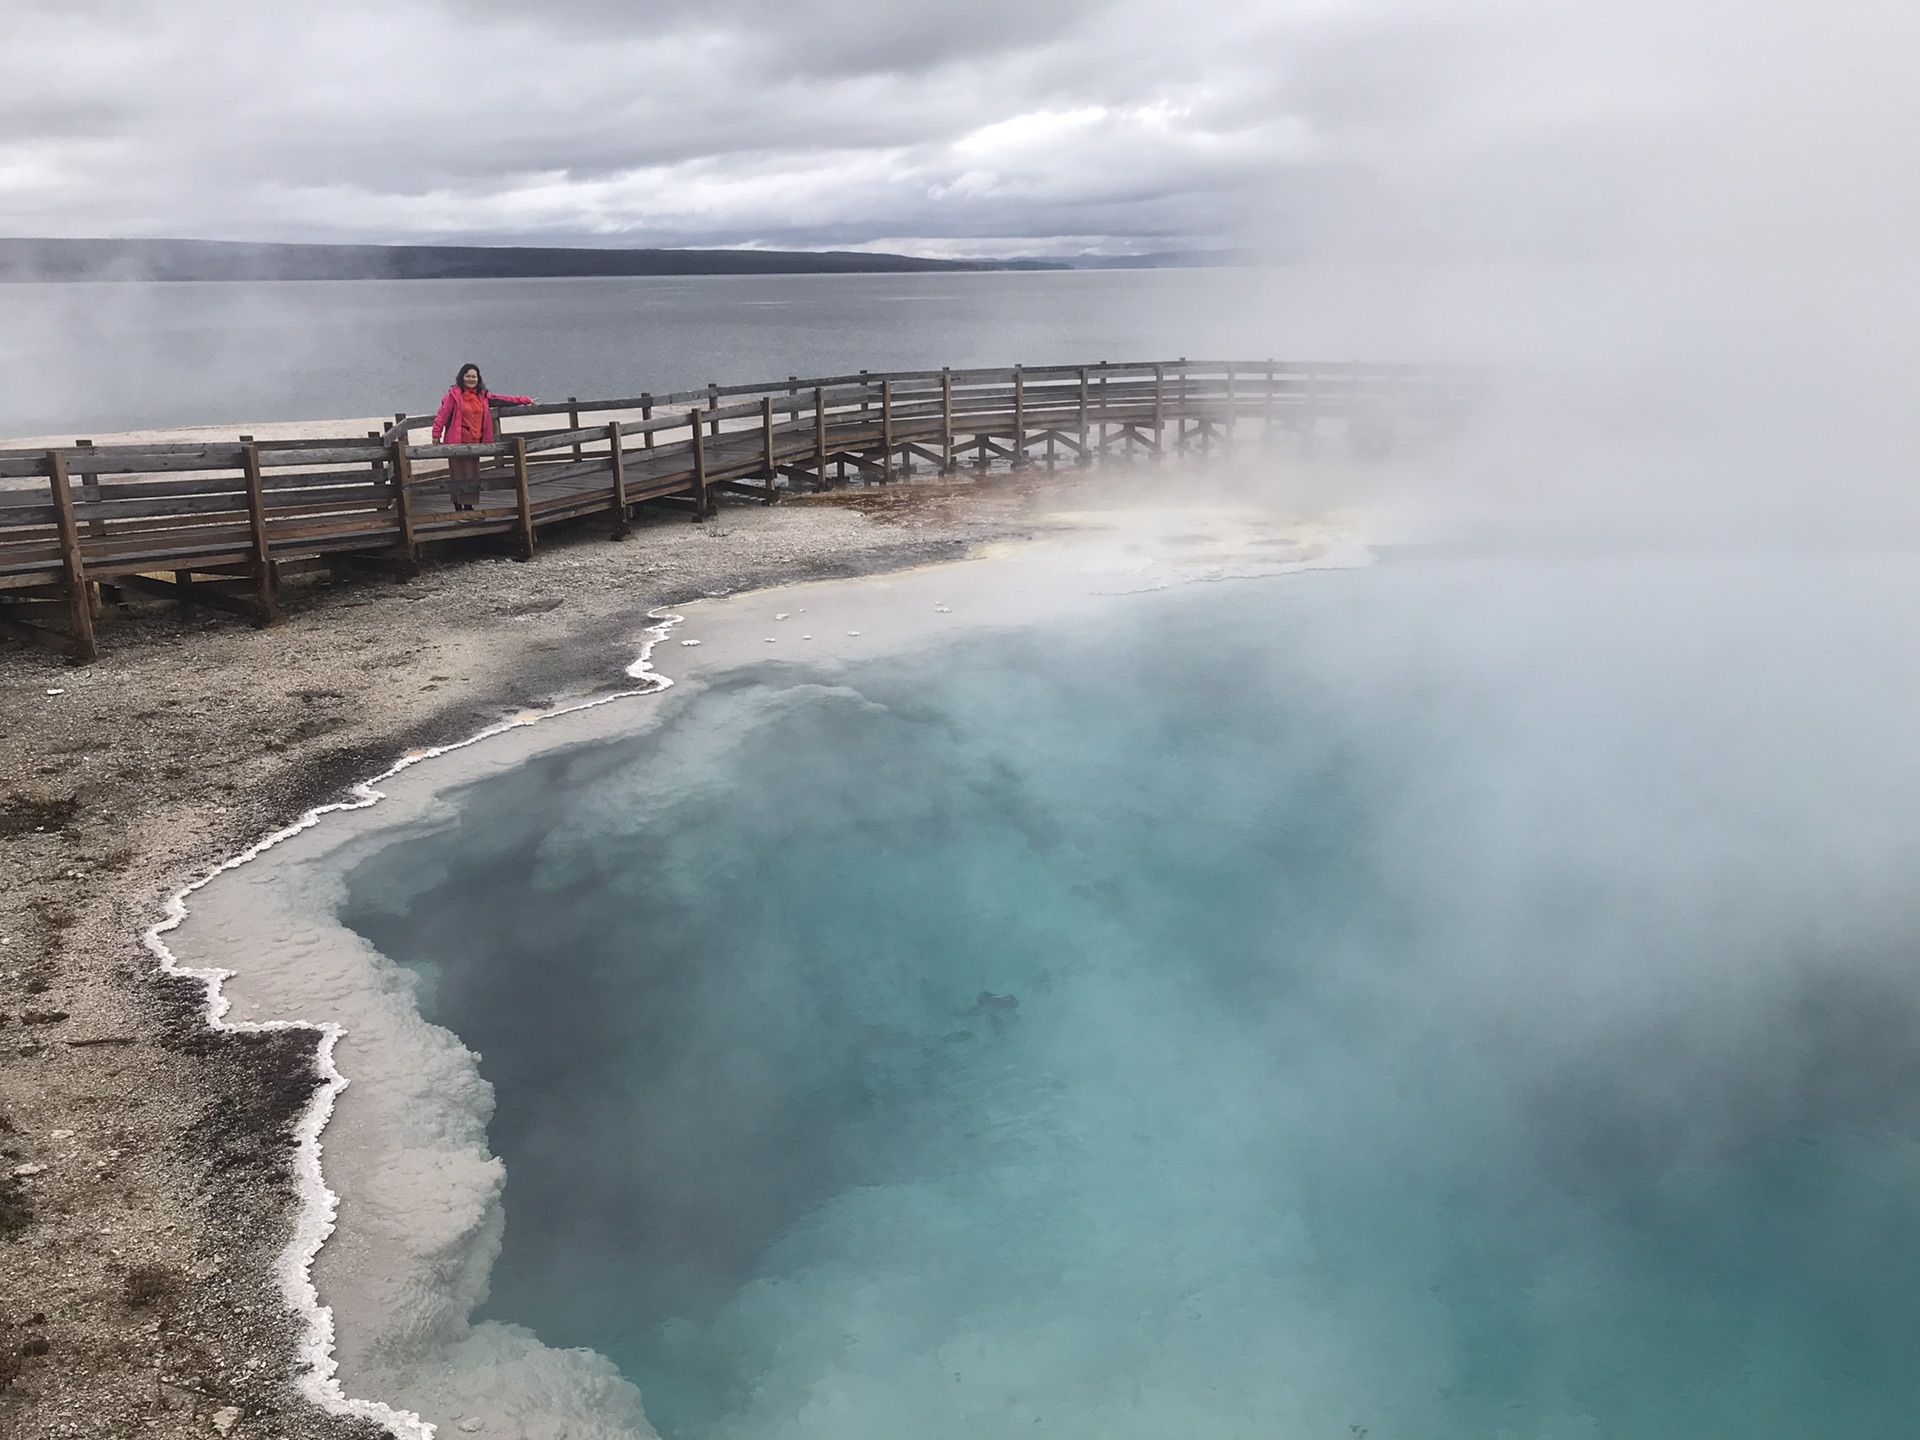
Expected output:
(146, 1183)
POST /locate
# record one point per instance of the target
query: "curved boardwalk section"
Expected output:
(217, 524)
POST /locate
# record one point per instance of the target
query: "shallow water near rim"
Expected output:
(1469, 997)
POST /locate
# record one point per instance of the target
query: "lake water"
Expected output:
(112, 356)
(105, 357)
(1467, 998)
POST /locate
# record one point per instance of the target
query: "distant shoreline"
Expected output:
(34, 259)
(28, 260)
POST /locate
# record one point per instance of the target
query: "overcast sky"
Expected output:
(1536, 127)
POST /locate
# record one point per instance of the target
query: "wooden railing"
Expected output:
(219, 524)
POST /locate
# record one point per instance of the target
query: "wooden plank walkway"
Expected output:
(215, 524)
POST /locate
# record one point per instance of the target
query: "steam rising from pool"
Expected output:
(1466, 998)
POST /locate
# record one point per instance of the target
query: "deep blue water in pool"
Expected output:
(1474, 997)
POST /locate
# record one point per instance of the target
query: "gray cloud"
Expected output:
(1549, 127)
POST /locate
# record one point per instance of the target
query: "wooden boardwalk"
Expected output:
(218, 524)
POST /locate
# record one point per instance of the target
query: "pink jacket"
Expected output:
(447, 422)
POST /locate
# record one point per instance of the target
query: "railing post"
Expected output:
(702, 501)
(1233, 403)
(79, 603)
(1103, 409)
(573, 421)
(766, 434)
(886, 431)
(646, 415)
(263, 577)
(1086, 455)
(1019, 418)
(946, 420)
(1159, 410)
(523, 495)
(1181, 405)
(622, 521)
(713, 409)
(402, 499)
(820, 433)
(90, 492)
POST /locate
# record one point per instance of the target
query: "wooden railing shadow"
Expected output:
(220, 524)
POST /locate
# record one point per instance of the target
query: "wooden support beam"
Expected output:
(79, 603)
(820, 433)
(713, 406)
(860, 463)
(1061, 437)
(523, 496)
(265, 582)
(187, 592)
(400, 567)
(646, 414)
(622, 517)
(675, 502)
(946, 421)
(54, 640)
(766, 447)
(703, 499)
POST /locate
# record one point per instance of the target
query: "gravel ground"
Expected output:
(143, 1189)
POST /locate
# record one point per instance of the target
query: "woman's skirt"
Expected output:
(463, 480)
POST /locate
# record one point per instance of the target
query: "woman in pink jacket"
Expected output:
(466, 418)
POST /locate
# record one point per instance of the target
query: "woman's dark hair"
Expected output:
(481, 387)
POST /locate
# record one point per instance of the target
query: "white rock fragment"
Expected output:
(689, 642)
(225, 1418)
(471, 1424)
(853, 632)
(56, 692)
(779, 617)
(22, 1172)
(60, 1134)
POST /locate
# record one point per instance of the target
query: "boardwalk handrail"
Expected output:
(218, 522)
